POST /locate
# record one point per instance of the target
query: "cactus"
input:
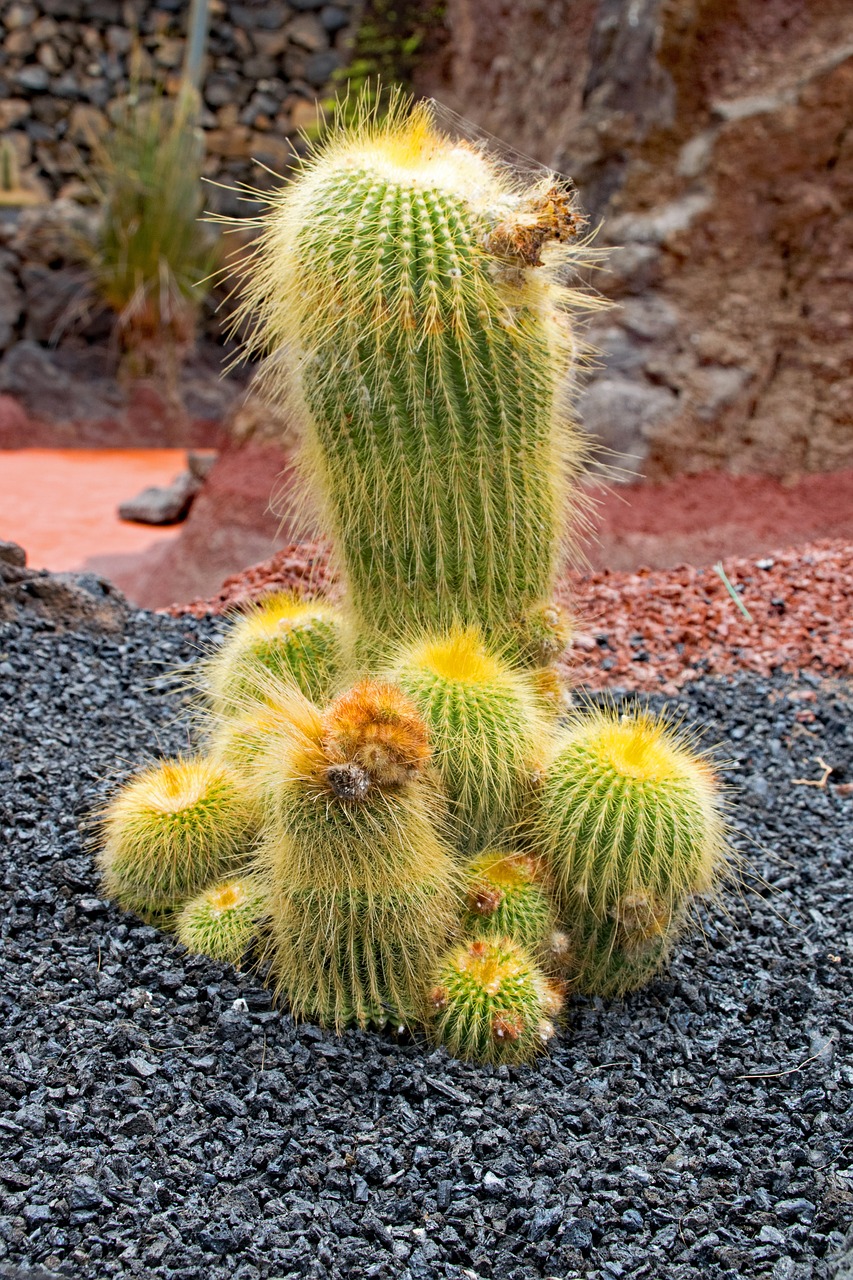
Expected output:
(409, 288)
(506, 897)
(221, 921)
(363, 892)
(628, 819)
(491, 1003)
(170, 831)
(283, 636)
(9, 173)
(486, 729)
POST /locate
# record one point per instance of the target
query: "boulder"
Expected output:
(167, 505)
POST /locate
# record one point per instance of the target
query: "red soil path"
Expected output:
(60, 504)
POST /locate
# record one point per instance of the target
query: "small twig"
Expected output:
(815, 782)
(720, 571)
(774, 1075)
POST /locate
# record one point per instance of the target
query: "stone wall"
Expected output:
(62, 62)
(713, 140)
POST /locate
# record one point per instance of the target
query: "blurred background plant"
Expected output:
(153, 254)
(386, 47)
(12, 193)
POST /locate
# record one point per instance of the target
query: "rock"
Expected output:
(55, 301)
(201, 464)
(320, 67)
(231, 524)
(717, 156)
(63, 601)
(157, 505)
(619, 413)
(307, 31)
(11, 303)
(11, 553)
(12, 112)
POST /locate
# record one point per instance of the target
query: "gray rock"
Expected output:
(718, 387)
(167, 505)
(47, 391)
(649, 318)
(320, 67)
(201, 463)
(35, 79)
(11, 553)
(11, 303)
(620, 413)
(333, 18)
(55, 301)
(64, 601)
(658, 225)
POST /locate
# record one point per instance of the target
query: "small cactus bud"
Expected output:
(494, 1000)
(629, 819)
(507, 897)
(221, 921)
(438, 998)
(285, 637)
(171, 830)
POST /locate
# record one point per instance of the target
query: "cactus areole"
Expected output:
(406, 287)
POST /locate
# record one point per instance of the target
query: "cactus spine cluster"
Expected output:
(432, 846)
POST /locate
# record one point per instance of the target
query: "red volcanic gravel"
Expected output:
(656, 629)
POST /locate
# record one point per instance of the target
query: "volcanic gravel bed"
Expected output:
(160, 1119)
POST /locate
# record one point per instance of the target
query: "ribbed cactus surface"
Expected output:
(399, 281)
(628, 817)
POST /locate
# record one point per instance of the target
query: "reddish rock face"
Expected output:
(712, 139)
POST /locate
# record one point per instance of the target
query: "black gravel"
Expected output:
(159, 1119)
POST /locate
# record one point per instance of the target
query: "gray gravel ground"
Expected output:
(159, 1119)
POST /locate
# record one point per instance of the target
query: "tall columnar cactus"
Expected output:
(283, 636)
(408, 288)
(171, 831)
(629, 820)
(486, 729)
(363, 893)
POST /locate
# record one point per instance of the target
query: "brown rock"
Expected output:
(713, 142)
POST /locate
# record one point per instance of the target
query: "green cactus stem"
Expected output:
(628, 819)
(486, 727)
(170, 831)
(222, 921)
(282, 637)
(507, 897)
(409, 288)
(492, 1003)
